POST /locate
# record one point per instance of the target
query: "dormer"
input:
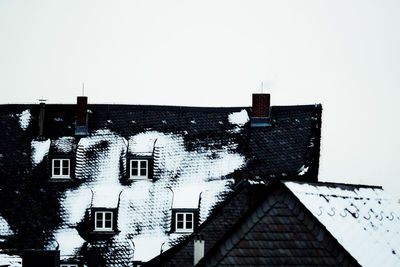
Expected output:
(140, 159)
(104, 211)
(185, 210)
(62, 158)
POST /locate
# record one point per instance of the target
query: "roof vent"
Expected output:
(82, 116)
(260, 116)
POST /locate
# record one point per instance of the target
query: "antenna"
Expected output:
(83, 89)
(41, 99)
(262, 86)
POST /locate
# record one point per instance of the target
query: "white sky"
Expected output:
(343, 54)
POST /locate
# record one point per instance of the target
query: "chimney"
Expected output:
(41, 117)
(198, 252)
(82, 116)
(260, 116)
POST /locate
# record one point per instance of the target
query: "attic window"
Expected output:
(139, 169)
(184, 220)
(103, 221)
(61, 168)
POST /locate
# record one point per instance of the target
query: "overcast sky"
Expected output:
(343, 54)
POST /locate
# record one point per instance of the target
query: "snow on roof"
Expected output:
(239, 118)
(5, 228)
(39, 150)
(187, 197)
(144, 214)
(142, 143)
(10, 260)
(65, 144)
(69, 241)
(24, 119)
(365, 220)
(148, 246)
(106, 195)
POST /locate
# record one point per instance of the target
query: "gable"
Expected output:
(278, 232)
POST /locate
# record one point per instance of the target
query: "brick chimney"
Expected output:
(260, 116)
(82, 116)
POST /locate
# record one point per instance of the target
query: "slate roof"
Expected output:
(278, 232)
(190, 146)
(296, 224)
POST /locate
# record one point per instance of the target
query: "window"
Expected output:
(103, 221)
(61, 168)
(68, 265)
(139, 169)
(184, 222)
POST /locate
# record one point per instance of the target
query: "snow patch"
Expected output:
(24, 119)
(147, 247)
(239, 118)
(64, 144)
(5, 229)
(10, 260)
(187, 197)
(69, 241)
(39, 150)
(303, 170)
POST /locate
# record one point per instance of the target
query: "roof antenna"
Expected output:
(262, 86)
(42, 99)
(83, 89)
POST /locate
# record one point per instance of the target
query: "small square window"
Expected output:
(139, 169)
(103, 221)
(60, 168)
(184, 222)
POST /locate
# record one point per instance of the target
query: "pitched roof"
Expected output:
(189, 146)
(279, 231)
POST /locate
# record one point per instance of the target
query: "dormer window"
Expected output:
(103, 221)
(139, 169)
(184, 221)
(61, 168)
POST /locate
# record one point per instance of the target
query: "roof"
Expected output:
(299, 223)
(190, 146)
(279, 231)
(365, 220)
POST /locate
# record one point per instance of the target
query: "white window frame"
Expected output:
(103, 222)
(68, 265)
(61, 175)
(139, 176)
(184, 229)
